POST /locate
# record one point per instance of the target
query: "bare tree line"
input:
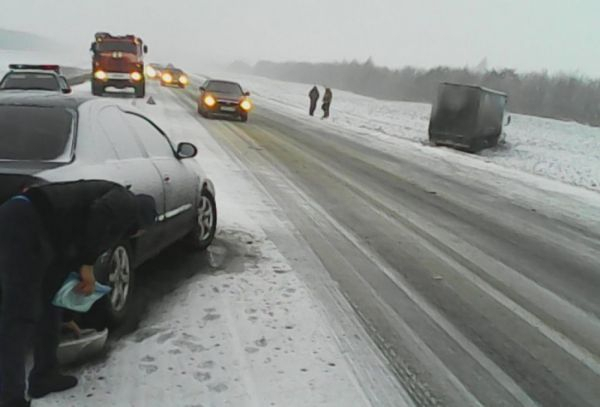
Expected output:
(560, 96)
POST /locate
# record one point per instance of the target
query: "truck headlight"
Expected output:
(100, 75)
(136, 76)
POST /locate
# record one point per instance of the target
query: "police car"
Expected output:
(35, 77)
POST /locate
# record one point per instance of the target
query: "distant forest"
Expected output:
(560, 96)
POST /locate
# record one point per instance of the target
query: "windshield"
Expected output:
(30, 81)
(34, 133)
(225, 87)
(122, 46)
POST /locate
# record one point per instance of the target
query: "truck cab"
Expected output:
(118, 61)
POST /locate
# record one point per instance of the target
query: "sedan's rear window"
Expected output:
(30, 81)
(36, 133)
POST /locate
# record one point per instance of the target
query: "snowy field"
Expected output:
(74, 59)
(564, 151)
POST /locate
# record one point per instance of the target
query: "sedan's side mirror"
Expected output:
(93, 47)
(186, 150)
(145, 49)
(67, 91)
(246, 93)
(202, 89)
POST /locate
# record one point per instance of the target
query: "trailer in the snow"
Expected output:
(467, 117)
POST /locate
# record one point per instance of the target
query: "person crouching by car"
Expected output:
(47, 232)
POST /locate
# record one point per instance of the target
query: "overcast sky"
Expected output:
(556, 35)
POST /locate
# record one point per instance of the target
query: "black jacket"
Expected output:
(83, 219)
(314, 94)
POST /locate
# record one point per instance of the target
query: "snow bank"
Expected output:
(563, 151)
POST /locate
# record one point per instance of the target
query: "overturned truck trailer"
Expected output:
(467, 117)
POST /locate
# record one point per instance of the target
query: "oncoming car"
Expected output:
(153, 71)
(171, 76)
(35, 77)
(53, 138)
(224, 98)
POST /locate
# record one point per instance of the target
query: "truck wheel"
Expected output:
(244, 117)
(205, 222)
(115, 269)
(140, 91)
(97, 89)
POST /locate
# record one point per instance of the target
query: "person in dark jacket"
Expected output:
(47, 232)
(314, 99)
(327, 98)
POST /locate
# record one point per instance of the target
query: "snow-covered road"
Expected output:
(239, 327)
(354, 269)
(478, 281)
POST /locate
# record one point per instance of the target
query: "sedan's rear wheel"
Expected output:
(205, 222)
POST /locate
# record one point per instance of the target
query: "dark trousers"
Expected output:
(27, 316)
(325, 108)
(313, 107)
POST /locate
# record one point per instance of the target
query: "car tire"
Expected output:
(114, 269)
(140, 91)
(205, 222)
(244, 118)
(97, 89)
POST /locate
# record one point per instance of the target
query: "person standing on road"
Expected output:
(47, 232)
(327, 98)
(314, 99)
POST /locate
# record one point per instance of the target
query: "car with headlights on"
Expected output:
(224, 98)
(153, 71)
(49, 137)
(175, 77)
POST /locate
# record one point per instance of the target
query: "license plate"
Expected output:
(117, 75)
(227, 109)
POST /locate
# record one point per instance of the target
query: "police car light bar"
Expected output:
(55, 68)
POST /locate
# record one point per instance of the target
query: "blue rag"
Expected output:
(67, 297)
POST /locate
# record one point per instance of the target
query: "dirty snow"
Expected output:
(564, 151)
(247, 332)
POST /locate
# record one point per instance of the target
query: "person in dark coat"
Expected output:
(327, 98)
(47, 232)
(314, 99)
